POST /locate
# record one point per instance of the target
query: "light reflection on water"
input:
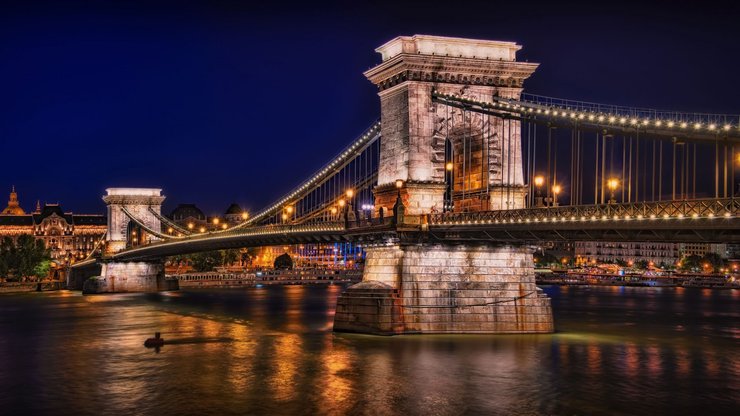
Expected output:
(271, 351)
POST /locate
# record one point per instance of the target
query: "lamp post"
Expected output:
(612, 184)
(349, 213)
(447, 203)
(539, 180)
(398, 208)
(555, 191)
(349, 194)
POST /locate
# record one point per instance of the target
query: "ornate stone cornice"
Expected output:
(133, 200)
(453, 70)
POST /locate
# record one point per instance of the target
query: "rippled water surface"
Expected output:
(270, 350)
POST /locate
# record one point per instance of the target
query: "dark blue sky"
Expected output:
(221, 101)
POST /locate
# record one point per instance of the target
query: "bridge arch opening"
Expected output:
(467, 165)
(135, 235)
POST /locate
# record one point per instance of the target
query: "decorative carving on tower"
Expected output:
(137, 201)
(416, 129)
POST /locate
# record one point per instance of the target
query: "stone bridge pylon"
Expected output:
(137, 202)
(411, 284)
(123, 233)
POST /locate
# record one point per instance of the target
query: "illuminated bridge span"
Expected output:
(449, 191)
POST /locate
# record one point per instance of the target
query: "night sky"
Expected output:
(220, 102)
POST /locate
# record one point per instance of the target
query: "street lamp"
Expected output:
(555, 191)
(245, 215)
(539, 180)
(350, 193)
(612, 184)
(449, 166)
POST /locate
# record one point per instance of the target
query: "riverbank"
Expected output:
(23, 287)
(697, 281)
(271, 277)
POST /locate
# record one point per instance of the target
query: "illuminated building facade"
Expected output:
(69, 236)
(651, 252)
(322, 256)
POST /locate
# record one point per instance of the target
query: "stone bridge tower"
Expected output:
(415, 129)
(411, 284)
(127, 276)
(137, 202)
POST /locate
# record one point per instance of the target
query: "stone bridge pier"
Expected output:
(130, 276)
(443, 288)
(415, 286)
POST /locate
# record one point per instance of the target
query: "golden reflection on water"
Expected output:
(335, 381)
(293, 314)
(653, 361)
(286, 356)
(241, 358)
(683, 362)
(711, 363)
(593, 353)
(270, 351)
(631, 359)
(563, 348)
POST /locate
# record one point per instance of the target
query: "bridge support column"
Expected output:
(440, 288)
(117, 277)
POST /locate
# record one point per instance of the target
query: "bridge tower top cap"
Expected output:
(134, 191)
(447, 46)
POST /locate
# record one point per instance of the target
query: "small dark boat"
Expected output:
(157, 341)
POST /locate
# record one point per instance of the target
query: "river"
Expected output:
(270, 350)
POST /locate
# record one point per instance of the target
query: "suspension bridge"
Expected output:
(450, 190)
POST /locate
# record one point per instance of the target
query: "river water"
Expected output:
(270, 350)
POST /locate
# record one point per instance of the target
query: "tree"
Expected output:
(26, 257)
(42, 269)
(206, 261)
(283, 261)
(714, 260)
(641, 264)
(690, 263)
(7, 256)
(229, 257)
(621, 262)
(545, 259)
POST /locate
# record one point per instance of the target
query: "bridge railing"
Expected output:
(641, 113)
(693, 208)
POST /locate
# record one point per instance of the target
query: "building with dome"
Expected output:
(69, 236)
(189, 216)
(235, 214)
(13, 207)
